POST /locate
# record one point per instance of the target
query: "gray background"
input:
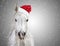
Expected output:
(44, 21)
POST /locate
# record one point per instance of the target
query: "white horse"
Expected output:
(20, 36)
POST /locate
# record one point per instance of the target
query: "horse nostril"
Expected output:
(18, 33)
(24, 33)
(21, 35)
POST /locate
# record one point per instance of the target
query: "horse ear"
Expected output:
(16, 9)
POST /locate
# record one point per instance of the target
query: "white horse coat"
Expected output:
(20, 25)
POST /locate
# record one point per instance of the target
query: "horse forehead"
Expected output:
(20, 17)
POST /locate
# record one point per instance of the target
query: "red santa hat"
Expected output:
(25, 9)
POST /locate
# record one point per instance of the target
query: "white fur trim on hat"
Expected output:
(26, 14)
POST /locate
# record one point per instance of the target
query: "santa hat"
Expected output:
(25, 9)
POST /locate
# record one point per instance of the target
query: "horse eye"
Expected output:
(15, 20)
(27, 20)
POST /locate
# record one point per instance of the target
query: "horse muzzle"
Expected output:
(21, 35)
